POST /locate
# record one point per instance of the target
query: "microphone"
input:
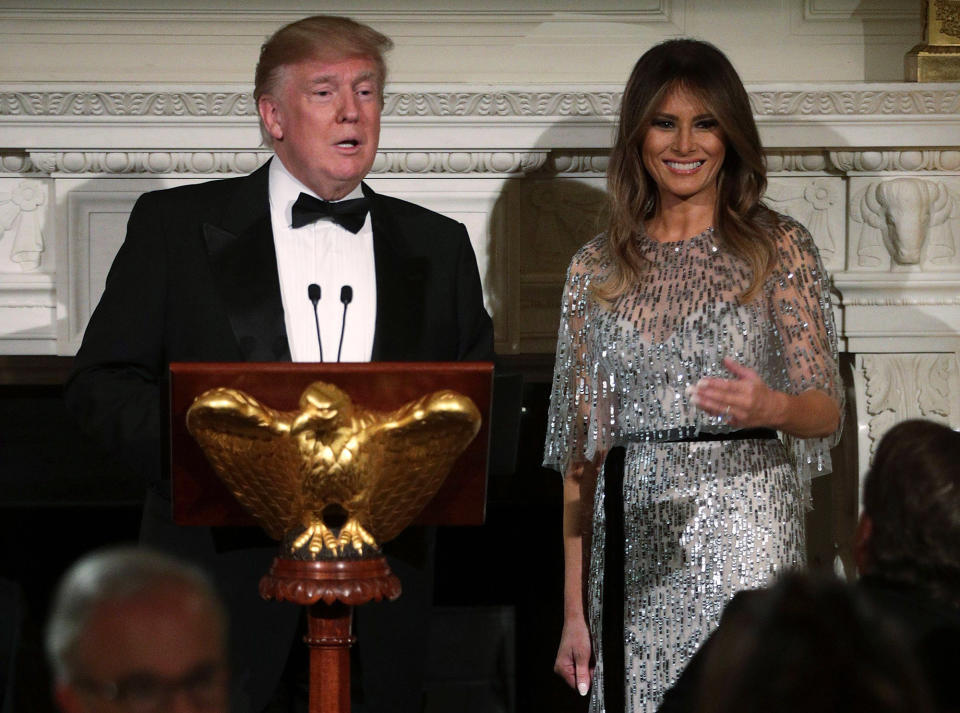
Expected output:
(346, 297)
(313, 293)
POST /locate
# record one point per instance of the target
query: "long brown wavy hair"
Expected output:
(742, 223)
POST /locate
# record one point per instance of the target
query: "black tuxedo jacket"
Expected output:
(196, 280)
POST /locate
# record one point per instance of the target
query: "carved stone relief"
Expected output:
(125, 101)
(23, 206)
(148, 162)
(16, 163)
(459, 161)
(893, 387)
(905, 224)
(796, 160)
(859, 102)
(215, 163)
(503, 103)
(817, 203)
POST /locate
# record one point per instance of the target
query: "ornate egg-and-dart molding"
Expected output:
(506, 103)
(18, 163)
(586, 162)
(148, 162)
(789, 161)
(903, 161)
(241, 162)
(459, 162)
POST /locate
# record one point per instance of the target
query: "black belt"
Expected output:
(687, 435)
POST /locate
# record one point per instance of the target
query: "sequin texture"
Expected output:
(701, 519)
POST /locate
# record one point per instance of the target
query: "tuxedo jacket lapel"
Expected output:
(244, 266)
(400, 288)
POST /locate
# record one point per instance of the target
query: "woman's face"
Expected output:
(683, 150)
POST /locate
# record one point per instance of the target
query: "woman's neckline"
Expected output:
(703, 233)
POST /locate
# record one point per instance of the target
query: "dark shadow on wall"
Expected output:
(515, 561)
(886, 41)
(538, 222)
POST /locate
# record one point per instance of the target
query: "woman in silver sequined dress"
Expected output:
(697, 334)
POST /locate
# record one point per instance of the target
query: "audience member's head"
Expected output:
(910, 528)
(808, 645)
(135, 630)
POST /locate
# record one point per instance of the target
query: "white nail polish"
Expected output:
(583, 688)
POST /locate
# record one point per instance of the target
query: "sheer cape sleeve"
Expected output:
(799, 292)
(581, 400)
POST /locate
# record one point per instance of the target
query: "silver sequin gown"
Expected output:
(702, 520)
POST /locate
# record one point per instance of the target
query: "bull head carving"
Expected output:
(904, 210)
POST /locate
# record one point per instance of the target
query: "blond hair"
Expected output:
(318, 37)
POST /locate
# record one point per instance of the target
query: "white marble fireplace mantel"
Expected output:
(873, 170)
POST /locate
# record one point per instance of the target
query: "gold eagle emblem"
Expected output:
(332, 480)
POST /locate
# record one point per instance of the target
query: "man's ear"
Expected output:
(68, 698)
(270, 115)
(861, 544)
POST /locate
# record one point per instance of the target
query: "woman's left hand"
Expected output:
(744, 401)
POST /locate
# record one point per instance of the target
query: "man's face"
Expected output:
(156, 651)
(325, 122)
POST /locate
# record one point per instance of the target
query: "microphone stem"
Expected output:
(343, 325)
(316, 322)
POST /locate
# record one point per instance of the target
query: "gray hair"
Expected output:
(110, 575)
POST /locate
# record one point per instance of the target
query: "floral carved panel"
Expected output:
(817, 204)
(893, 387)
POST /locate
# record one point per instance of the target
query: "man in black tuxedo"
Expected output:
(907, 549)
(264, 268)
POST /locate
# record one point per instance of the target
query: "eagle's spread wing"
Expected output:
(248, 445)
(410, 452)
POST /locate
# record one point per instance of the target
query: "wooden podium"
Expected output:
(328, 588)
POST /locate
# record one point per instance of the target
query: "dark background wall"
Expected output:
(498, 589)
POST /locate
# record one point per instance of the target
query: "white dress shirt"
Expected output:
(330, 256)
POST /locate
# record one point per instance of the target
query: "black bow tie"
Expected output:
(347, 214)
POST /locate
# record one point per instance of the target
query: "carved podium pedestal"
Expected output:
(330, 590)
(331, 460)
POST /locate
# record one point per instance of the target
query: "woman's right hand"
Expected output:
(574, 663)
